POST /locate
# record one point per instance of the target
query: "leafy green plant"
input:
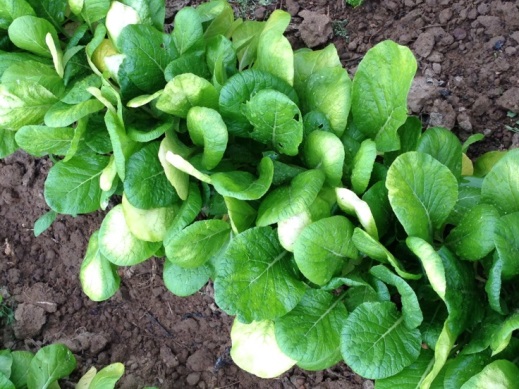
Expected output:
(23, 369)
(332, 227)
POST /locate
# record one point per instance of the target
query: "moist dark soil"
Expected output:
(467, 81)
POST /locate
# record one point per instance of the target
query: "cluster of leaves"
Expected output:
(23, 369)
(331, 226)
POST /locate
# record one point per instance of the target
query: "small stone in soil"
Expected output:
(193, 378)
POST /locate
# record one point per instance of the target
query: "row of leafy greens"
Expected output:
(332, 227)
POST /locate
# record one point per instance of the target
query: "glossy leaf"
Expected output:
(107, 377)
(29, 32)
(324, 150)
(444, 146)
(500, 374)
(363, 166)
(183, 281)
(275, 56)
(506, 239)
(50, 364)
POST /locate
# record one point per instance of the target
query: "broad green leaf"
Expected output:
(146, 56)
(78, 92)
(107, 377)
(275, 56)
(460, 369)
(329, 91)
(29, 32)
(494, 284)
(12, 9)
(484, 163)
(62, 114)
(177, 178)
(79, 131)
(44, 222)
(141, 132)
(49, 365)
(198, 243)
(188, 32)
(208, 130)
(376, 343)
(76, 6)
(20, 368)
(239, 89)
(189, 63)
(444, 146)
(37, 72)
(291, 200)
(409, 134)
(500, 374)
(501, 338)
(24, 103)
(255, 349)
(144, 171)
(422, 193)
(473, 237)
(494, 190)
(86, 379)
(323, 248)
(363, 166)
(506, 239)
(151, 12)
(243, 185)
(186, 91)
(8, 59)
(410, 377)
(241, 214)
(6, 361)
(468, 198)
(371, 247)
(149, 225)
(5, 382)
(99, 278)
(187, 213)
(221, 58)
(187, 167)
(307, 62)
(377, 200)
(410, 307)
(94, 10)
(8, 143)
(117, 243)
(118, 17)
(379, 104)
(184, 282)
(299, 333)
(217, 16)
(277, 121)
(245, 38)
(255, 279)
(290, 229)
(73, 187)
(323, 150)
(43, 140)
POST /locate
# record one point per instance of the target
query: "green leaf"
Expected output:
(146, 56)
(99, 278)
(409, 134)
(255, 349)
(6, 361)
(410, 377)
(186, 91)
(188, 32)
(324, 150)
(473, 237)
(177, 178)
(410, 307)
(29, 32)
(463, 367)
(243, 185)
(122, 146)
(107, 377)
(500, 374)
(151, 12)
(308, 62)
(49, 365)
(377, 200)
(149, 225)
(422, 193)
(255, 279)
(444, 146)
(376, 343)
(484, 163)
(44, 222)
(239, 89)
(144, 171)
(277, 121)
(323, 248)
(198, 243)
(208, 130)
(94, 10)
(494, 284)
(241, 214)
(23, 103)
(363, 166)
(506, 239)
(468, 198)
(12, 9)
(43, 140)
(78, 92)
(118, 245)
(86, 379)
(288, 201)
(379, 104)
(184, 282)
(73, 187)
(299, 333)
(8, 143)
(329, 91)
(187, 213)
(20, 368)
(118, 17)
(62, 114)
(290, 229)
(275, 56)
(494, 190)
(501, 338)
(36, 72)
(5, 382)
(52, 10)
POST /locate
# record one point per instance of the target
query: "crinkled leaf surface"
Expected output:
(8, 143)
(379, 104)
(255, 279)
(37, 72)
(463, 367)
(411, 377)
(376, 343)
(52, 10)
(422, 193)
(324, 247)
(43, 140)
(444, 146)
(49, 365)
(310, 333)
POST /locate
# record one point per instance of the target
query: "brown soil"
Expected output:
(468, 80)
